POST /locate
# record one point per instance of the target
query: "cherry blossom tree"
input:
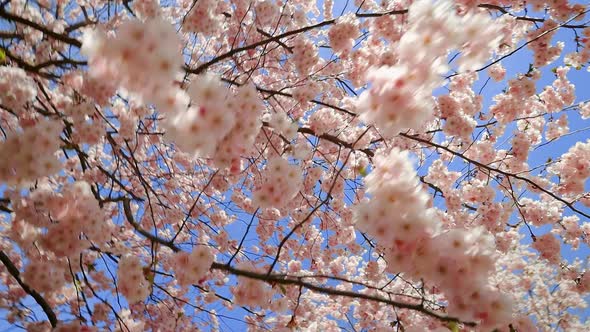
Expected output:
(294, 165)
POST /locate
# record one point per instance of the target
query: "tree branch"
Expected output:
(296, 281)
(497, 170)
(38, 298)
(36, 26)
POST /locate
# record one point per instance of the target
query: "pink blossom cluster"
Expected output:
(250, 292)
(557, 128)
(305, 56)
(342, 34)
(199, 128)
(326, 121)
(493, 216)
(477, 192)
(541, 212)
(580, 57)
(203, 18)
(63, 223)
(247, 108)
(30, 154)
(191, 268)
(508, 105)
(435, 28)
(281, 181)
(129, 323)
(563, 9)
(282, 124)
(395, 102)
(521, 145)
(146, 9)
(544, 53)
(127, 120)
(561, 94)
(400, 96)
(74, 327)
(218, 124)
(570, 231)
(459, 107)
(88, 127)
(478, 37)
(548, 247)
(484, 151)
(328, 8)
(584, 109)
(306, 92)
(584, 283)
(124, 58)
(522, 87)
(497, 72)
(523, 324)
(533, 127)
(440, 176)
(387, 27)
(393, 188)
(16, 89)
(267, 12)
(458, 261)
(132, 281)
(44, 276)
(98, 89)
(38, 326)
(573, 169)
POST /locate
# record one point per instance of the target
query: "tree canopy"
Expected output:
(294, 165)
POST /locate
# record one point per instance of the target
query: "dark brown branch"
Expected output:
(190, 211)
(390, 12)
(267, 35)
(277, 38)
(36, 26)
(38, 298)
(285, 280)
(530, 19)
(284, 94)
(10, 35)
(235, 51)
(26, 66)
(316, 208)
(148, 235)
(335, 140)
(4, 202)
(525, 44)
(78, 25)
(496, 170)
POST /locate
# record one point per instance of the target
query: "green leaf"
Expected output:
(453, 326)
(2, 56)
(363, 171)
(283, 289)
(150, 278)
